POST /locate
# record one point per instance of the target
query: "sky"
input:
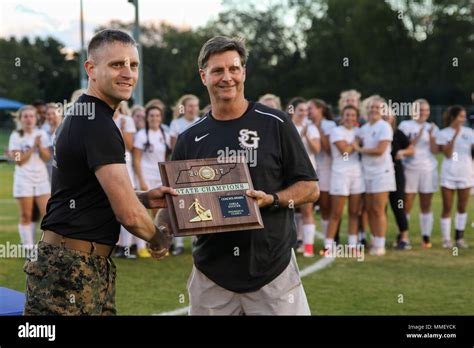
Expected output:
(60, 18)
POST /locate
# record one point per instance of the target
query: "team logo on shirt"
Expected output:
(248, 139)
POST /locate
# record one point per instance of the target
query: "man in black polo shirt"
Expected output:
(91, 193)
(254, 271)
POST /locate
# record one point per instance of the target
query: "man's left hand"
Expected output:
(155, 198)
(262, 198)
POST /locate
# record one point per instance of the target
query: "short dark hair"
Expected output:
(108, 36)
(350, 107)
(220, 44)
(38, 102)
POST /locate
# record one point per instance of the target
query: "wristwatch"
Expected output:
(276, 202)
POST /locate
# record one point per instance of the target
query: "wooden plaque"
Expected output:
(211, 196)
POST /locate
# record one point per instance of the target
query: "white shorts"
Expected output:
(324, 179)
(384, 182)
(421, 181)
(457, 184)
(345, 185)
(27, 188)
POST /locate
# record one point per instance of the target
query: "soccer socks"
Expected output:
(328, 242)
(460, 224)
(446, 228)
(353, 240)
(125, 238)
(25, 235)
(308, 234)
(178, 242)
(379, 242)
(141, 244)
(426, 224)
(324, 225)
(33, 232)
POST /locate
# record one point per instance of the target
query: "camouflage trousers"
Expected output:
(68, 282)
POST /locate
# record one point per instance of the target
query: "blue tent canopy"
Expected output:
(8, 104)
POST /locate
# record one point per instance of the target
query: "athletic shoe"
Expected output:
(377, 251)
(324, 252)
(177, 251)
(447, 244)
(403, 245)
(460, 243)
(143, 253)
(426, 245)
(119, 252)
(308, 250)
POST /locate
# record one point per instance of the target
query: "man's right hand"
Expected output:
(161, 241)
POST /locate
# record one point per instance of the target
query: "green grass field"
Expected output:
(431, 282)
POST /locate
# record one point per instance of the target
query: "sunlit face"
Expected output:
(423, 112)
(375, 108)
(349, 118)
(113, 69)
(139, 119)
(53, 116)
(191, 107)
(154, 119)
(301, 110)
(224, 76)
(28, 119)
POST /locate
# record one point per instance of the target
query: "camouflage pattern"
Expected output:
(68, 282)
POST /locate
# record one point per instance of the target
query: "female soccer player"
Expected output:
(151, 145)
(320, 114)
(298, 109)
(456, 143)
(29, 148)
(346, 176)
(375, 139)
(185, 113)
(421, 174)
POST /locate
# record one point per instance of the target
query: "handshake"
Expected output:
(159, 244)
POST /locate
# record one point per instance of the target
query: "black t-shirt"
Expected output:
(245, 261)
(400, 142)
(78, 207)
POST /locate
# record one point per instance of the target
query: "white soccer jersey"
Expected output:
(371, 135)
(323, 160)
(155, 153)
(459, 165)
(34, 169)
(344, 164)
(423, 159)
(313, 133)
(179, 125)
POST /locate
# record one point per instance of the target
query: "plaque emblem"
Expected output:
(206, 173)
(202, 213)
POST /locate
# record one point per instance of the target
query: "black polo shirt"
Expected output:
(78, 207)
(247, 260)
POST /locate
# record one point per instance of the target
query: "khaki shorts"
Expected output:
(282, 296)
